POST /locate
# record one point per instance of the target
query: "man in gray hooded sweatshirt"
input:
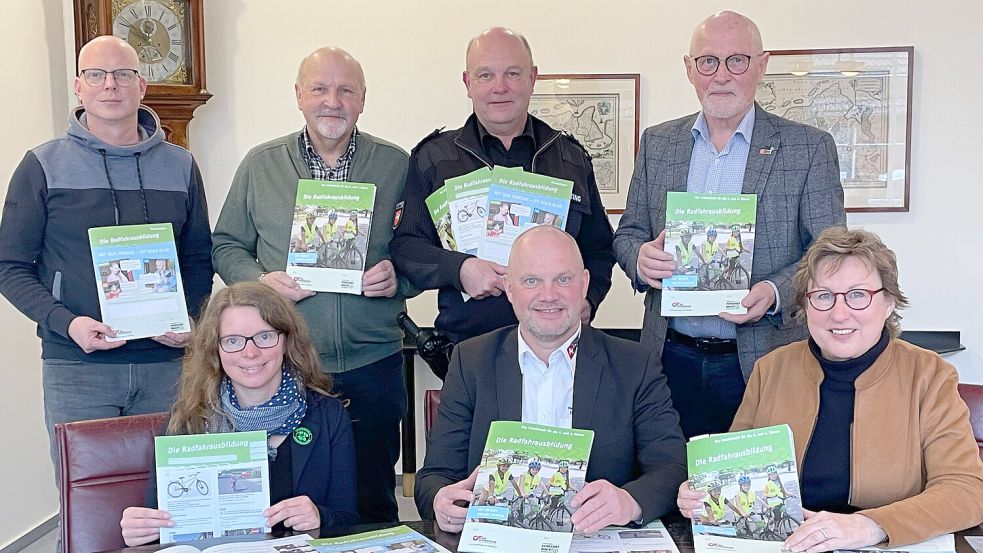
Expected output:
(111, 168)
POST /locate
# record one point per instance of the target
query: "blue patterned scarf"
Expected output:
(280, 415)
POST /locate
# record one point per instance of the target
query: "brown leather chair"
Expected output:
(104, 467)
(431, 401)
(972, 394)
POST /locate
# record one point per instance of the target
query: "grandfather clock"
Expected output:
(168, 36)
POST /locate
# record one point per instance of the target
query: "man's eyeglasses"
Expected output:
(737, 64)
(123, 77)
(264, 340)
(857, 299)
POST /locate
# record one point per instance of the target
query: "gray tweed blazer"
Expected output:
(794, 170)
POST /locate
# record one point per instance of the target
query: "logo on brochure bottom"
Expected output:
(302, 435)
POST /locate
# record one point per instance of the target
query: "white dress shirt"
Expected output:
(547, 389)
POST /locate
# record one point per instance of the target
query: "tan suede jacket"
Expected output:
(915, 467)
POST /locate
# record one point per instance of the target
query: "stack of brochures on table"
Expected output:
(521, 500)
(329, 236)
(711, 238)
(292, 544)
(617, 539)
(483, 212)
(752, 486)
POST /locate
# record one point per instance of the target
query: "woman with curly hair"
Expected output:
(250, 366)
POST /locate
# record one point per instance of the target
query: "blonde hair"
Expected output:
(201, 378)
(836, 244)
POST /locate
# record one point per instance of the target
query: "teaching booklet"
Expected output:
(517, 201)
(400, 539)
(617, 539)
(483, 212)
(213, 485)
(516, 507)
(753, 500)
(138, 278)
(329, 235)
(711, 238)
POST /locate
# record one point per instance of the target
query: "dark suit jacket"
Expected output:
(323, 470)
(799, 196)
(619, 392)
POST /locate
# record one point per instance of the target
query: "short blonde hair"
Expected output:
(836, 244)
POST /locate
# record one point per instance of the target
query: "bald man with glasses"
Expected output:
(111, 168)
(730, 146)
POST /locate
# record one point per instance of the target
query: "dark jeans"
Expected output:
(376, 400)
(706, 388)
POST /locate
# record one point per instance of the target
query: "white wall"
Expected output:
(413, 54)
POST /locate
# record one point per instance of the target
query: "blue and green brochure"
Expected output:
(138, 278)
(753, 500)
(517, 201)
(528, 474)
(711, 238)
(213, 485)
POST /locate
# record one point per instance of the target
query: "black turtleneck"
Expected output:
(826, 466)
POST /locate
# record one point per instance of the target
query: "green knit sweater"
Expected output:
(253, 233)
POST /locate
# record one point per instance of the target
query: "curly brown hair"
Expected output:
(198, 398)
(836, 244)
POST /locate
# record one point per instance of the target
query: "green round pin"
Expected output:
(302, 435)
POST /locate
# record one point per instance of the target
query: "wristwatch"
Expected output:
(260, 277)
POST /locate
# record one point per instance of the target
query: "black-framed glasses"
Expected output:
(123, 77)
(857, 299)
(737, 64)
(264, 340)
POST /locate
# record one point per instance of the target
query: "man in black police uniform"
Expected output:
(499, 78)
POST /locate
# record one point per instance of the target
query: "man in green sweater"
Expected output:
(356, 336)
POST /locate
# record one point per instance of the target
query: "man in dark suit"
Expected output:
(730, 146)
(552, 369)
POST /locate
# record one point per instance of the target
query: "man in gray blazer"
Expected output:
(553, 370)
(730, 146)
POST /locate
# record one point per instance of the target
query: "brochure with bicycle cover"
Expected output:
(401, 539)
(527, 476)
(753, 500)
(711, 238)
(467, 202)
(330, 235)
(141, 294)
(213, 485)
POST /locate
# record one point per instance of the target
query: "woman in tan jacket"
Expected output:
(885, 451)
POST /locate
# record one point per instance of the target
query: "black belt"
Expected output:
(706, 345)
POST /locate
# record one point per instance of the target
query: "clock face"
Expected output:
(157, 30)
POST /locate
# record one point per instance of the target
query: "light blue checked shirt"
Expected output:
(713, 172)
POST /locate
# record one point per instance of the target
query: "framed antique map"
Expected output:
(600, 111)
(862, 96)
